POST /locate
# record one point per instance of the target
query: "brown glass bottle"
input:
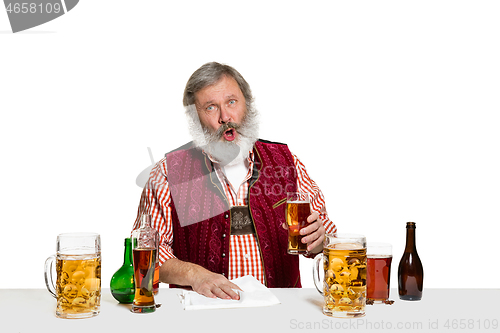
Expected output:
(410, 271)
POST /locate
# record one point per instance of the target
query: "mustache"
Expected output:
(224, 127)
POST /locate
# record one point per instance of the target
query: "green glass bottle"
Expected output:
(122, 282)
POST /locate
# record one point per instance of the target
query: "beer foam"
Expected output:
(298, 202)
(347, 246)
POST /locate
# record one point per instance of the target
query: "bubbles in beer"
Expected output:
(345, 301)
(79, 304)
(336, 264)
(64, 278)
(345, 278)
(78, 284)
(70, 291)
(78, 278)
(85, 293)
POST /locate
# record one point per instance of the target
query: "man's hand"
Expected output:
(214, 285)
(314, 233)
(202, 281)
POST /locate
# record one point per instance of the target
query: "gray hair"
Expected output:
(209, 74)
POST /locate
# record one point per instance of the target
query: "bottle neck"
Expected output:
(410, 239)
(145, 221)
(127, 257)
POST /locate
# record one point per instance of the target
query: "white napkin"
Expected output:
(253, 294)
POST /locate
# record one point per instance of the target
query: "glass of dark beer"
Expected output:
(297, 212)
(378, 272)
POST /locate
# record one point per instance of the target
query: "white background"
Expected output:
(393, 106)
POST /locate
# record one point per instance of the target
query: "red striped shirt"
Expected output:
(244, 256)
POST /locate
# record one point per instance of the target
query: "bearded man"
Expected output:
(218, 202)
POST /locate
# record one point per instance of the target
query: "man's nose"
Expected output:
(224, 116)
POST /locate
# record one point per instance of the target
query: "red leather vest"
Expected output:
(201, 216)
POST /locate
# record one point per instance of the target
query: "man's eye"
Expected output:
(211, 108)
(232, 101)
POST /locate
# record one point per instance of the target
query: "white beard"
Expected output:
(225, 152)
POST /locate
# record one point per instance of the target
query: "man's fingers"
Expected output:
(313, 224)
(312, 235)
(228, 293)
(223, 292)
(220, 287)
(316, 243)
(310, 228)
(313, 217)
(206, 292)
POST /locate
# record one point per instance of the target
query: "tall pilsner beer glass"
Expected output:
(144, 249)
(297, 212)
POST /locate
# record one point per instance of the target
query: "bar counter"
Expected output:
(32, 310)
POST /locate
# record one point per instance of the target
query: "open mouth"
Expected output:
(229, 135)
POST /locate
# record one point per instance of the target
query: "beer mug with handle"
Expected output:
(77, 287)
(344, 280)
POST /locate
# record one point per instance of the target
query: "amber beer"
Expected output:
(78, 285)
(144, 269)
(296, 218)
(378, 277)
(156, 280)
(345, 280)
